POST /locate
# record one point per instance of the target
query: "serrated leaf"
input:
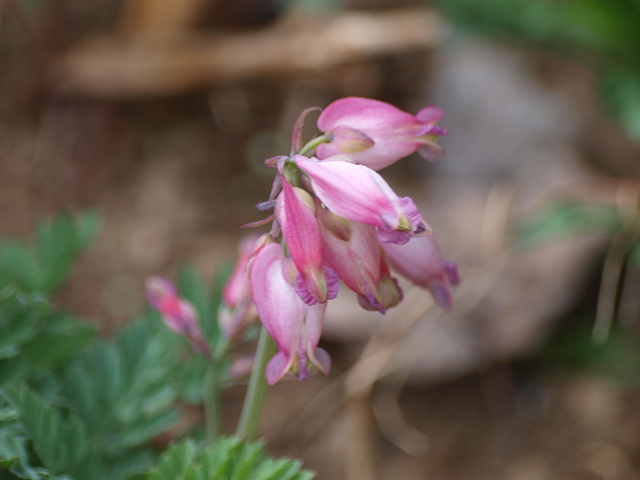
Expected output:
(62, 443)
(175, 461)
(44, 267)
(123, 388)
(35, 339)
(18, 266)
(13, 453)
(58, 242)
(61, 338)
(228, 458)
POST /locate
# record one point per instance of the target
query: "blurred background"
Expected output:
(158, 114)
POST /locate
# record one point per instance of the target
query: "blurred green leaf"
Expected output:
(35, 338)
(605, 33)
(62, 442)
(228, 459)
(634, 253)
(562, 219)
(572, 350)
(45, 266)
(175, 461)
(123, 388)
(621, 92)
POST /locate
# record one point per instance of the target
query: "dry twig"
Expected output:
(143, 65)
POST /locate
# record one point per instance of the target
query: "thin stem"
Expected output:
(212, 412)
(254, 400)
(313, 143)
(212, 404)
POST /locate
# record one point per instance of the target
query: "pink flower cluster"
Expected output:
(335, 218)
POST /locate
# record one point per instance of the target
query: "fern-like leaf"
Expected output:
(45, 266)
(228, 459)
(61, 441)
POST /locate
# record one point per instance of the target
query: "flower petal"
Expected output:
(300, 230)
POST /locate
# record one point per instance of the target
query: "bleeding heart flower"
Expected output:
(295, 212)
(421, 262)
(377, 134)
(357, 193)
(294, 326)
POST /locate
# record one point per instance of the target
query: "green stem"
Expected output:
(254, 400)
(313, 143)
(212, 404)
(212, 412)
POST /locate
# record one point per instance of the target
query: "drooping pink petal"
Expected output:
(430, 115)
(296, 216)
(352, 251)
(387, 294)
(358, 193)
(395, 134)
(294, 326)
(421, 262)
(279, 307)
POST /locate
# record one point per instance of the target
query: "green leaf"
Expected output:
(123, 388)
(634, 254)
(45, 266)
(13, 453)
(58, 242)
(621, 91)
(36, 339)
(563, 219)
(227, 459)
(62, 442)
(175, 462)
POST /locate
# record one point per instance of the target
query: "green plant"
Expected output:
(75, 406)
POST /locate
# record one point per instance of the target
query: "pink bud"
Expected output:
(236, 310)
(178, 314)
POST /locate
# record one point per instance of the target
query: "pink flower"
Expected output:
(421, 262)
(294, 326)
(295, 212)
(388, 292)
(357, 193)
(352, 250)
(177, 313)
(377, 134)
(236, 310)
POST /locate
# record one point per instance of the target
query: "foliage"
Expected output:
(45, 265)
(228, 459)
(566, 218)
(572, 350)
(75, 406)
(604, 31)
(604, 348)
